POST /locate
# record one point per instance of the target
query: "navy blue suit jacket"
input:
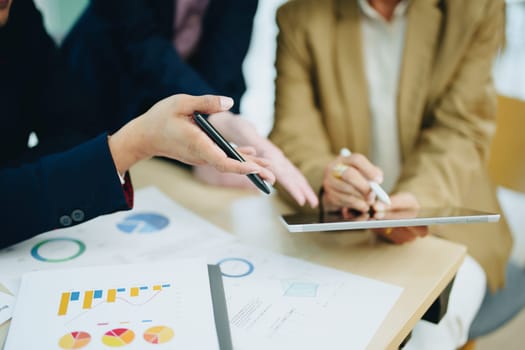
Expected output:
(123, 51)
(57, 183)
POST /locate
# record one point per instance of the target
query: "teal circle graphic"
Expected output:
(248, 267)
(35, 254)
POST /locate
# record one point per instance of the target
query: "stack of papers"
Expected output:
(6, 306)
(273, 301)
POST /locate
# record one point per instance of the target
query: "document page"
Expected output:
(162, 306)
(156, 229)
(277, 302)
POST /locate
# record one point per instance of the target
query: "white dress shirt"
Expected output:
(383, 44)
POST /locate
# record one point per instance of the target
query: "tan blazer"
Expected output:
(446, 104)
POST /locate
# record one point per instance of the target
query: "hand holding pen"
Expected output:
(374, 185)
(351, 181)
(229, 150)
(350, 170)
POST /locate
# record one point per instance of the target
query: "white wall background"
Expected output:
(257, 103)
(509, 75)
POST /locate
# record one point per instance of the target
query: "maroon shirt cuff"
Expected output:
(128, 190)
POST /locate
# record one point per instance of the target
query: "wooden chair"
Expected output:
(506, 168)
(507, 155)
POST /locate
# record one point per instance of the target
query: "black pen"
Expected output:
(228, 149)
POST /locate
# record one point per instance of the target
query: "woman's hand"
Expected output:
(404, 205)
(346, 183)
(243, 133)
(167, 129)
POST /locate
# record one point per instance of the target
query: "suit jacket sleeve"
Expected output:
(298, 129)
(152, 60)
(454, 144)
(60, 190)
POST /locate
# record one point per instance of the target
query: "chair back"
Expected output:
(507, 153)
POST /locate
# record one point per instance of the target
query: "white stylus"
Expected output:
(378, 190)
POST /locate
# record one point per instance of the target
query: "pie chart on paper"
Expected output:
(118, 337)
(158, 335)
(74, 340)
(143, 223)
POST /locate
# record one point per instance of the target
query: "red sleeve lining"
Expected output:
(128, 190)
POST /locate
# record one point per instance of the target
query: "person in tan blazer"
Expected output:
(445, 107)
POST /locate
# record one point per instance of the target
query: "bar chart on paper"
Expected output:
(130, 306)
(109, 296)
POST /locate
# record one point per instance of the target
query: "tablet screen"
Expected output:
(330, 221)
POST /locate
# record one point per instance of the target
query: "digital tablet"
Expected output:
(334, 221)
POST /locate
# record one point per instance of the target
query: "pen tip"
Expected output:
(345, 152)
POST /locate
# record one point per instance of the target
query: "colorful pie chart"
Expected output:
(158, 335)
(74, 340)
(118, 337)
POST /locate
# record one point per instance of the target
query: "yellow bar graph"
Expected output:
(64, 302)
(112, 295)
(88, 299)
(90, 296)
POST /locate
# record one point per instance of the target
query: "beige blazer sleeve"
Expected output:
(298, 128)
(454, 142)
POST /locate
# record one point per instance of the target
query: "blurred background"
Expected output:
(509, 75)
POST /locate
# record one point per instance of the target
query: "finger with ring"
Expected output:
(339, 170)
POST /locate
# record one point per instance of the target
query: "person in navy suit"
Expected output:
(131, 53)
(72, 175)
(135, 52)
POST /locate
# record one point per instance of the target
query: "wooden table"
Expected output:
(423, 268)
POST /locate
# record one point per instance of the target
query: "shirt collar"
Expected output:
(371, 12)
